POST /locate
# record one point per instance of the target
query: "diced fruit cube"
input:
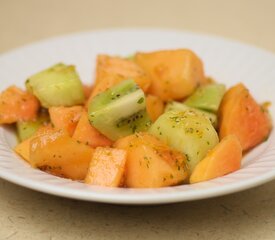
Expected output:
(154, 106)
(242, 116)
(66, 118)
(17, 105)
(151, 163)
(207, 97)
(87, 91)
(188, 132)
(23, 148)
(112, 70)
(224, 158)
(88, 134)
(175, 74)
(176, 106)
(55, 152)
(119, 111)
(56, 86)
(107, 167)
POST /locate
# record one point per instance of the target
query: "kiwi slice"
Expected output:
(207, 97)
(58, 85)
(119, 111)
(188, 132)
(173, 105)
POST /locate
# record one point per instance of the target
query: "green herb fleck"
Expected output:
(141, 100)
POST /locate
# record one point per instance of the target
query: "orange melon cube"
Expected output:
(57, 153)
(23, 148)
(151, 163)
(113, 70)
(241, 115)
(107, 167)
(154, 106)
(175, 74)
(17, 105)
(65, 117)
(88, 134)
(87, 91)
(224, 158)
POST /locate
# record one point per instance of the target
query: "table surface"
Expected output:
(26, 214)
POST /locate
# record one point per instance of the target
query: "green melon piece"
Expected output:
(182, 107)
(207, 97)
(188, 132)
(26, 129)
(58, 85)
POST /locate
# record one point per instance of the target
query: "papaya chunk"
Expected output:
(224, 158)
(57, 153)
(175, 74)
(154, 106)
(87, 91)
(242, 116)
(151, 163)
(112, 70)
(17, 105)
(88, 134)
(65, 117)
(107, 167)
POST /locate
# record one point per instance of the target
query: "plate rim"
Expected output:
(141, 200)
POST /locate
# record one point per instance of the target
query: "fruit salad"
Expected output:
(148, 121)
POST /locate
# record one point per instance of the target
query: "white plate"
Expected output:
(227, 61)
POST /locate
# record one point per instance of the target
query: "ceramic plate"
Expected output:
(226, 61)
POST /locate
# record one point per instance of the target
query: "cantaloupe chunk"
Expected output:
(151, 163)
(65, 117)
(113, 70)
(240, 114)
(87, 91)
(107, 167)
(23, 148)
(154, 107)
(224, 158)
(88, 134)
(17, 105)
(57, 153)
(175, 74)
